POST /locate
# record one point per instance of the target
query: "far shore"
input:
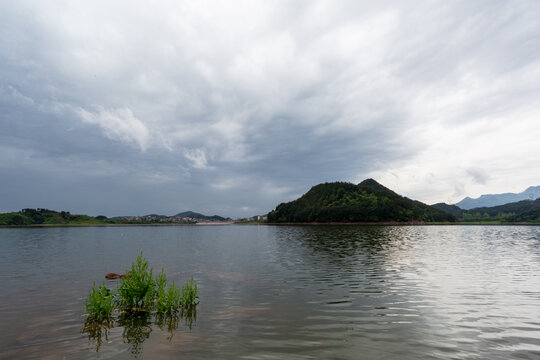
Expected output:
(408, 223)
(113, 225)
(215, 223)
(382, 223)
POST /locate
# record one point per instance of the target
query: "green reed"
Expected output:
(173, 299)
(138, 289)
(168, 300)
(139, 292)
(99, 304)
(189, 294)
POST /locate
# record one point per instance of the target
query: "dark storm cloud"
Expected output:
(123, 108)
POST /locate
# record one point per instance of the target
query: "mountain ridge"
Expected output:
(490, 200)
(368, 201)
(524, 211)
(196, 215)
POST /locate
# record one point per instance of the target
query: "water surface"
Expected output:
(273, 292)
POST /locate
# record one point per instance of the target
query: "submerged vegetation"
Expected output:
(140, 297)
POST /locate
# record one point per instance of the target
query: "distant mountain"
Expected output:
(368, 201)
(519, 211)
(489, 200)
(195, 215)
(156, 216)
(450, 209)
(524, 210)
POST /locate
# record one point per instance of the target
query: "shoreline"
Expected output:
(104, 225)
(410, 223)
(382, 223)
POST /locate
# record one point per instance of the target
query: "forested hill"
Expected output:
(49, 217)
(368, 201)
(450, 209)
(520, 211)
(196, 215)
(525, 210)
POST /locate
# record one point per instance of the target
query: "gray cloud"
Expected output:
(123, 108)
(478, 175)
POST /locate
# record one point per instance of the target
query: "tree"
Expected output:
(17, 220)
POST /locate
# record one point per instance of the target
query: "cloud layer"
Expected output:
(124, 108)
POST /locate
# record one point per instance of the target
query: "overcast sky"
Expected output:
(230, 108)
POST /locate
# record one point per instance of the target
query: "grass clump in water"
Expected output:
(140, 299)
(189, 294)
(167, 300)
(138, 289)
(99, 304)
(172, 299)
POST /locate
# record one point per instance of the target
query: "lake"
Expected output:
(276, 292)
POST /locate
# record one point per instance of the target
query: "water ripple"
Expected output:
(296, 292)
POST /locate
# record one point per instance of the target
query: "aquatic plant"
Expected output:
(138, 289)
(140, 297)
(173, 299)
(189, 294)
(169, 300)
(139, 302)
(99, 304)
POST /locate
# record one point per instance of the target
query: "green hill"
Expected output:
(48, 217)
(368, 201)
(520, 211)
(450, 209)
(196, 215)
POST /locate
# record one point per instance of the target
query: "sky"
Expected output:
(230, 108)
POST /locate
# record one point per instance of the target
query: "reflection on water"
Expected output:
(97, 332)
(268, 292)
(169, 322)
(136, 329)
(137, 326)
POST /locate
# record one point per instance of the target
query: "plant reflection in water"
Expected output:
(97, 332)
(138, 325)
(170, 321)
(137, 328)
